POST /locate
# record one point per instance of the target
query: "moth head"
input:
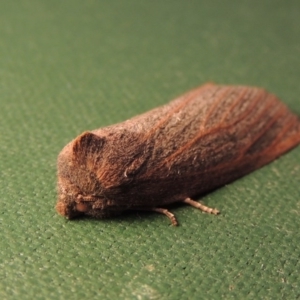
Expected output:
(67, 208)
(79, 189)
(71, 206)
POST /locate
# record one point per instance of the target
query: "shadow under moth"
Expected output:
(202, 140)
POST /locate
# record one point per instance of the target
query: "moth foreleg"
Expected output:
(161, 211)
(201, 206)
(167, 213)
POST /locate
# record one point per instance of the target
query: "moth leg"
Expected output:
(161, 211)
(85, 198)
(201, 206)
(166, 213)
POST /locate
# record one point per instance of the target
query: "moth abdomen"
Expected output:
(202, 140)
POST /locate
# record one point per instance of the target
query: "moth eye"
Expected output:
(82, 207)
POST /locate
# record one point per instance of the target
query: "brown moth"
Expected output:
(202, 140)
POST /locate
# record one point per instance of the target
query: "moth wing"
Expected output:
(125, 155)
(217, 134)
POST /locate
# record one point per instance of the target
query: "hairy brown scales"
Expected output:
(204, 139)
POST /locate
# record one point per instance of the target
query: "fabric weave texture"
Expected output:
(71, 66)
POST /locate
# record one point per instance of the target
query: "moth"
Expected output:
(204, 139)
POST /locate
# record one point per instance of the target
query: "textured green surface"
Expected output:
(70, 66)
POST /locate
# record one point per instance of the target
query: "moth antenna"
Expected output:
(201, 206)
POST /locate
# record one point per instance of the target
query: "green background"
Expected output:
(70, 66)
